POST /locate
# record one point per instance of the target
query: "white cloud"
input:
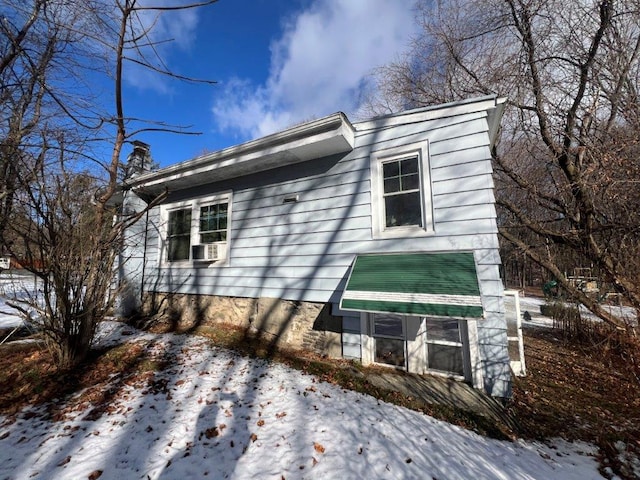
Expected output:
(319, 65)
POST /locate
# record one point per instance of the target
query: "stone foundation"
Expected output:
(285, 323)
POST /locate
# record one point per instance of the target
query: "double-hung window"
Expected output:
(401, 193)
(179, 235)
(213, 222)
(196, 230)
(445, 348)
(388, 331)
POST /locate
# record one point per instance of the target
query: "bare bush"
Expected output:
(59, 214)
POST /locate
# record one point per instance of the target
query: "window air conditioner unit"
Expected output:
(209, 252)
(214, 251)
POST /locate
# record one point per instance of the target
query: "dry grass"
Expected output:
(28, 375)
(575, 391)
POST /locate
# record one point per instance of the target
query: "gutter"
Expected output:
(283, 140)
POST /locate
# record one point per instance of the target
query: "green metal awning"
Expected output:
(434, 284)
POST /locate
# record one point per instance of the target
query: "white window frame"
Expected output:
(194, 204)
(463, 344)
(402, 338)
(378, 221)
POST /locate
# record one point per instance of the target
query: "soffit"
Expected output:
(327, 136)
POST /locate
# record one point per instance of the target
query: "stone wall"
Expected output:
(284, 323)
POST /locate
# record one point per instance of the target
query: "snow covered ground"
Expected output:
(13, 286)
(215, 414)
(536, 319)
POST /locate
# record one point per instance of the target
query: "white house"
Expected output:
(374, 240)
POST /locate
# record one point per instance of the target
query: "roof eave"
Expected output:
(323, 137)
(494, 117)
(488, 103)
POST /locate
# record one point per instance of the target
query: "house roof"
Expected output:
(492, 104)
(323, 137)
(326, 136)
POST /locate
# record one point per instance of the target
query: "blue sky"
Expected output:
(277, 63)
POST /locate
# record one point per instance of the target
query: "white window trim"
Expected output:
(403, 338)
(194, 204)
(475, 361)
(366, 339)
(378, 223)
(464, 346)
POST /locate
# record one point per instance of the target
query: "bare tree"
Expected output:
(69, 229)
(567, 161)
(31, 48)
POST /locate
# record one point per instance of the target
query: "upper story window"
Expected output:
(401, 192)
(196, 230)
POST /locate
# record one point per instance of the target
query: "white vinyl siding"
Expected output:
(302, 250)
